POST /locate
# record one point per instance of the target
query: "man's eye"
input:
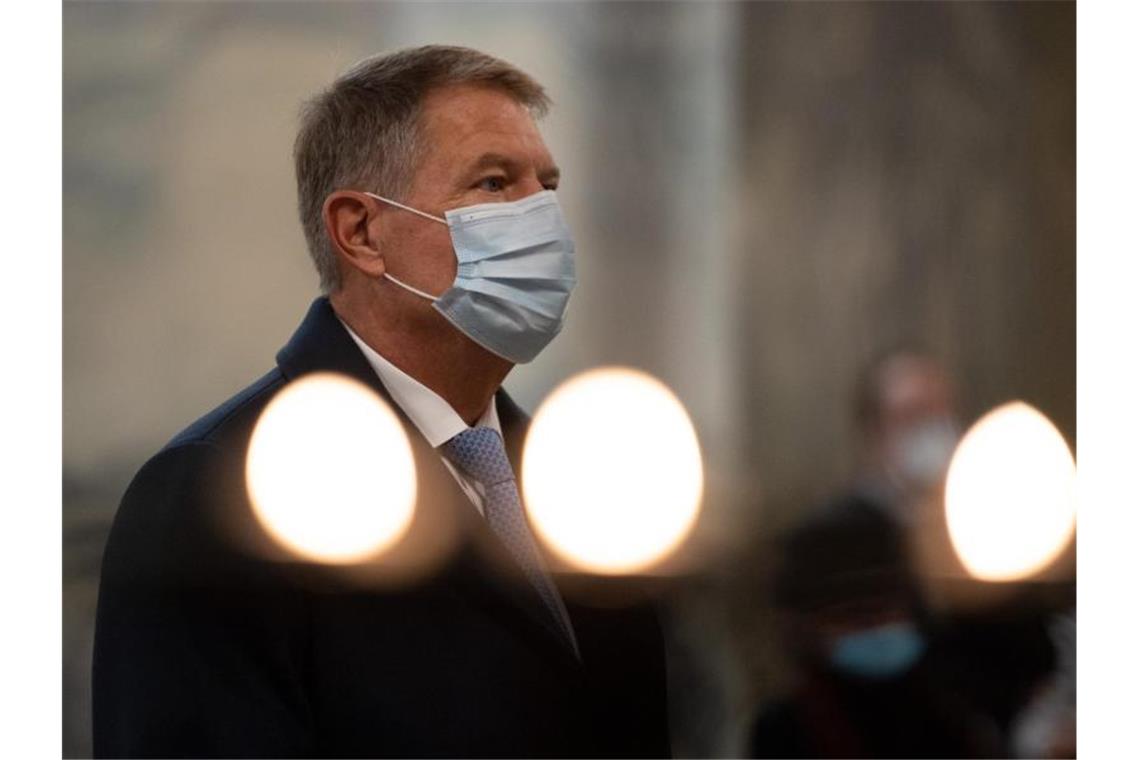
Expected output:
(492, 184)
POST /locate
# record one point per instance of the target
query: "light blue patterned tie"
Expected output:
(479, 452)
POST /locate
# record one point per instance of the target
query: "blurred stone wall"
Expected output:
(762, 196)
(907, 173)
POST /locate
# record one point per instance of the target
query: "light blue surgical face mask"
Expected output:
(879, 653)
(919, 456)
(515, 273)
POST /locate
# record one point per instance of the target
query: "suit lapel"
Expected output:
(482, 563)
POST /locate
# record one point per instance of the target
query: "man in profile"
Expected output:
(426, 194)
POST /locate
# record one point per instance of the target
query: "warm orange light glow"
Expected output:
(612, 471)
(1011, 494)
(330, 470)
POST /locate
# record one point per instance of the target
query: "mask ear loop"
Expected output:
(410, 289)
(424, 214)
(405, 285)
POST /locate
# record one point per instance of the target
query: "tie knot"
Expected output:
(480, 453)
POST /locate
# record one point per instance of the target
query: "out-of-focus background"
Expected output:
(764, 197)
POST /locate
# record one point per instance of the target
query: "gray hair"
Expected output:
(363, 131)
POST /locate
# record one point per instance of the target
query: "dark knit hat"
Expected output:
(849, 550)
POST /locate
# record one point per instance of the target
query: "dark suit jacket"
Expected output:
(210, 642)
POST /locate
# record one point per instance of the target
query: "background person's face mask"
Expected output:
(920, 455)
(882, 652)
(515, 273)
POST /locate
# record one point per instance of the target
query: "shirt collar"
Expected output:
(428, 411)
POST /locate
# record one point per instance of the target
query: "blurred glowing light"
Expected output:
(330, 470)
(612, 471)
(1011, 494)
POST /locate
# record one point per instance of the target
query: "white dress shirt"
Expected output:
(432, 416)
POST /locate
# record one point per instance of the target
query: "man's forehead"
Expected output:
(481, 124)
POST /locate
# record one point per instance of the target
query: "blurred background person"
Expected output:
(869, 682)
(907, 429)
(880, 553)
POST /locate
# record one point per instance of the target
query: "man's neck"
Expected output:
(431, 350)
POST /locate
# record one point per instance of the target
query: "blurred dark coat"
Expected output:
(209, 644)
(831, 715)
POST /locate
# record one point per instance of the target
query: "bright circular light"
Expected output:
(1011, 494)
(612, 471)
(330, 470)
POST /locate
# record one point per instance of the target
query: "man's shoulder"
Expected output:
(232, 420)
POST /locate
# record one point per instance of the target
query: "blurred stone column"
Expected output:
(658, 260)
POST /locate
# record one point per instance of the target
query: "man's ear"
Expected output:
(346, 214)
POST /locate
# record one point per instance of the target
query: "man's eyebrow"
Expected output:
(492, 161)
(549, 173)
